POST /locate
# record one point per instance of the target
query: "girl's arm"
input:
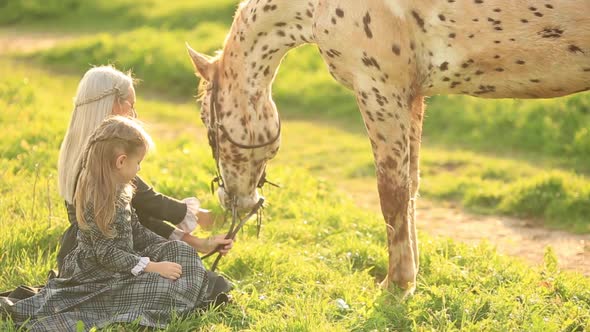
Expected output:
(109, 254)
(114, 253)
(143, 237)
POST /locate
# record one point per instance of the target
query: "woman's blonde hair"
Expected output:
(96, 186)
(97, 92)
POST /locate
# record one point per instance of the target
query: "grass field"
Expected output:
(319, 257)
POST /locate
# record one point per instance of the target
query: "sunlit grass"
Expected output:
(319, 258)
(318, 261)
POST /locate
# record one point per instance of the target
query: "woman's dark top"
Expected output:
(152, 209)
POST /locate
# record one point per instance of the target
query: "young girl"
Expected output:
(105, 91)
(119, 271)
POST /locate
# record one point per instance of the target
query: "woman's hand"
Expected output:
(168, 270)
(205, 218)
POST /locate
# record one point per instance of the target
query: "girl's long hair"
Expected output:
(97, 191)
(97, 92)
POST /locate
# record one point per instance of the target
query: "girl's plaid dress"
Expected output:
(98, 287)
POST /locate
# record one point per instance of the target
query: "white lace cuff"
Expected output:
(189, 223)
(177, 234)
(138, 269)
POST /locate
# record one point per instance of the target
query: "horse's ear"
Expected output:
(203, 66)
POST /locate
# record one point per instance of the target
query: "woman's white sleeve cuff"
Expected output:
(189, 223)
(177, 234)
(138, 269)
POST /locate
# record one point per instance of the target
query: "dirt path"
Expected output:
(511, 236)
(12, 40)
(514, 237)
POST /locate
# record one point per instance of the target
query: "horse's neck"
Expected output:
(261, 34)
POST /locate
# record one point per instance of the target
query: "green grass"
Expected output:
(319, 257)
(88, 16)
(318, 260)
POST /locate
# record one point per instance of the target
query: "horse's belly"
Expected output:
(506, 49)
(494, 84)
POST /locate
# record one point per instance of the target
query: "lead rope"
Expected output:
(233, 229)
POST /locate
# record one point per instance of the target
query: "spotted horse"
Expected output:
(391, 53)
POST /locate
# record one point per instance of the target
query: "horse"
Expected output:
(392, 54)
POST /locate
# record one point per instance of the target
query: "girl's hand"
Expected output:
(168, 270)
(205, 246)
(216, 240)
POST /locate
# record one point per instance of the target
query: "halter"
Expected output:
(213, 135)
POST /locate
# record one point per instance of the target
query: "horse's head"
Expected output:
(242, 123)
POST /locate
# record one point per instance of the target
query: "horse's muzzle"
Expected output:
(242, 203)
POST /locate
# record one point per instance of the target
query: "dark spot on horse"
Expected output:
(269, 7)
(280, 24)
(452, 35)
(339, 12)
(550, 32)
(441, 17)
(549, 6)
(535, 80)
(478, 1)
(496, 56)
(419, 20)
(575, 49)
(497, 10)
(366, 22)
(499, 69)
(444, 66)
(446, 79)
(520, 62)
(538, 14)
(395, 48)
(479, 72)
(524, 21)
(390, 163)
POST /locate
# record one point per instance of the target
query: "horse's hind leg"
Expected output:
(416, 119)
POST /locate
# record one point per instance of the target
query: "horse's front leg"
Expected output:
(387, 115)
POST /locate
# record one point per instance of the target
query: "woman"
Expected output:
(102, 92)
